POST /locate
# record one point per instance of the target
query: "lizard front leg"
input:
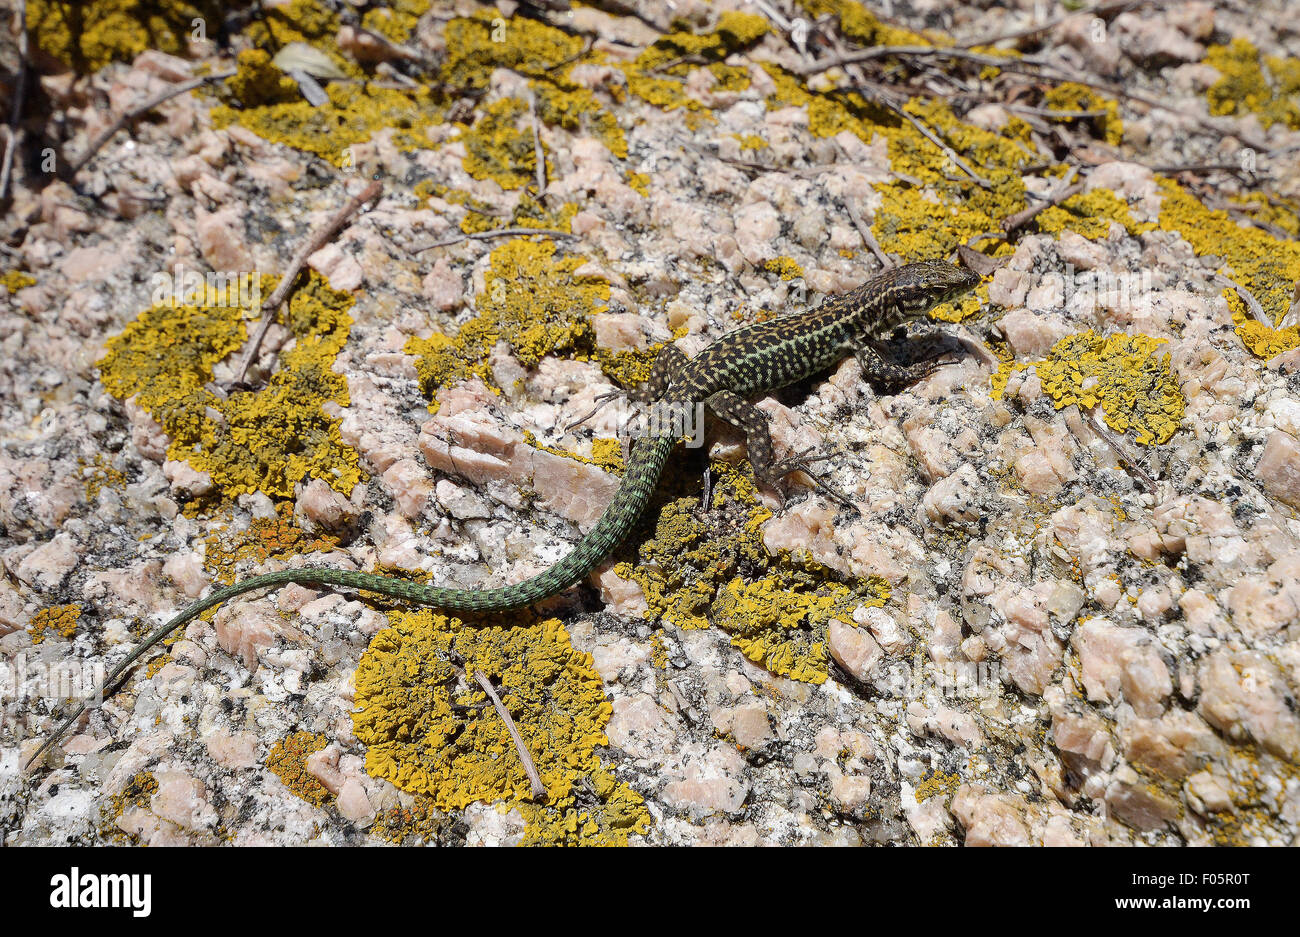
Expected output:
(666, 364)
(750, 420)
(877, 365)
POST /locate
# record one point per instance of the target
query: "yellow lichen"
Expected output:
(533, 301)
(288, 762)
(787, 268)
(430, 729)
(15, 280)
(776, 608)
(604, 812)
(265, 440)
(497, 147)
(1124, 375)
(396, 19)
(1072, 96)
(60, 620)
(1271, 91)
(861, 25)
(352, 114)
(1259, 262)
(1090, 215)
(657, 74)
(89, 34)
(265, 538)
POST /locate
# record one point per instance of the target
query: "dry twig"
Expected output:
(315, 243)
(486, 235)
(534, 779)
(135, 112)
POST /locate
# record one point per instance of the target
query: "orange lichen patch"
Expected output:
(411, 826)
(1270, 90)
(265, 440)
(288, 762)
(265, 538)
(1266, 266)
(60, 620)
(1124, 374)
(430, 729)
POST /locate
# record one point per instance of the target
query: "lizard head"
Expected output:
(921, 286)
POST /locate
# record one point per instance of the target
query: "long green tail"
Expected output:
(645, 465)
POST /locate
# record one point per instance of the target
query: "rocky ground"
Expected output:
(1065, 611)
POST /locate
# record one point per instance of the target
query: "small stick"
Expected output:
(16, 114)
(486, 235)
(1247, 297)
(1024, 216)
(1136, 470)
(1049, 112)
(534, 779)
(867, 236)
(107, 134)
(539, 156)
(316, 242)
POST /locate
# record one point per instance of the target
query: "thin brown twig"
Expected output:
(313, 244)
(1021, 218)
(539, 156)
(534, 779)
(1247, 297)
(1049, 112)
(882, 96)
(867, 236)
(1134, 468)
(16, 113)
(487, 235)
(135, 112)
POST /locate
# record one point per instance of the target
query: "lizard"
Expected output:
(740, 364)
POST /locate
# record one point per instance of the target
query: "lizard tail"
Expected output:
(645, 465)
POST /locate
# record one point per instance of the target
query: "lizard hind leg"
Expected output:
(747, 418)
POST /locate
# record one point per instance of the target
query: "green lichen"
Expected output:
(533, 301)
(1124, 375)
(288, 762)
(60, 620)
(86, 35)
(1261, 263)
(263, 440)
(1270, 90)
